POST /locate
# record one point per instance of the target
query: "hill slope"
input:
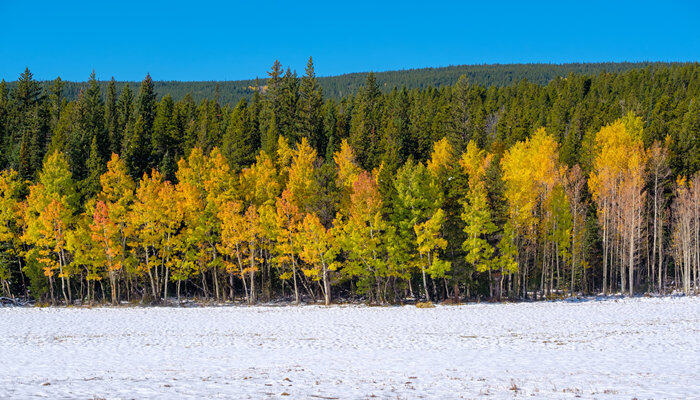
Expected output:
(342, 85)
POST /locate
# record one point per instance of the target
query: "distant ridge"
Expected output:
(342, 85)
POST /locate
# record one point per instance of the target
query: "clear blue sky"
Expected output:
(226, 40)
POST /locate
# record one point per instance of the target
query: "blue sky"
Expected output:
(227, 40)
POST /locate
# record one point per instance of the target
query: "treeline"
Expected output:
(336, 87)
(587, 184)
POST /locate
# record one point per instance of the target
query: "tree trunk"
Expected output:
(425, 284)
(326, 285)
(252, 274)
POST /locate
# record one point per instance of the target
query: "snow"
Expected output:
(607, 349)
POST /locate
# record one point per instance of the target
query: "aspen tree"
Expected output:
(49, 214)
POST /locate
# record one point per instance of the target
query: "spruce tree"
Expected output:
(56, 101)
(25, 160)
(240, 142)
(146, 104)
(111, 117)
(330, 130)
(3, 123)
(164, 129)
(270, 109)
(310, 109)
(27, 92)
(95, 166)
(23, 101)
(124, 117)
(365, 124)
(40, 131)
(209, 124)
(136, 149)
(92, 112)
(287, 117)
(466, 115)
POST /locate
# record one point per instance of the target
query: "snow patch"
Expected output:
(609, 349)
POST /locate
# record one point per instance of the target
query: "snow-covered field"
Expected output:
(643, 348)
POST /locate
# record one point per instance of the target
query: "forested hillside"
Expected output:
(555, 185)
(335, 87)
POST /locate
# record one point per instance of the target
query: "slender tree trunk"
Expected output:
(150, 275)
(631, 264)
(165, 283)
(243, 278)
(216, 278)
(113, 286)
(252, 273)
(230, 286)
(326, 283)
(606, 245)
(425, 283)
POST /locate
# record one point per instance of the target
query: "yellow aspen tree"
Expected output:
(531, 171)
(685, 231)
(203, 183)
(118, 196)
(301, 184)
(659, 172)
(430, 243)
(253, 231)
(260, 183)
(154, 221)
(9, 225)
(348, 171)
(86, 252)
(319, 251)
(616, 184)
(48, 215)
(575, 183)
(287, 221)
(107, 235)
(233, 238)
